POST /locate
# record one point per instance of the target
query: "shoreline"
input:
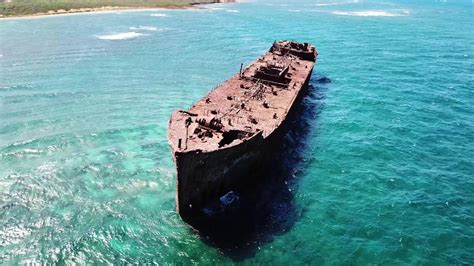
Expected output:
(106, 10)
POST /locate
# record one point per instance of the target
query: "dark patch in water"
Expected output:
(323, 79)
(250, 216)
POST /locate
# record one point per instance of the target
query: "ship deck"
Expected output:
(255, 100)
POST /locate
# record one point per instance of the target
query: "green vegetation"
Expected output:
(28, 7)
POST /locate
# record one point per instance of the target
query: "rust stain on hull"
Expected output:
(223, 136)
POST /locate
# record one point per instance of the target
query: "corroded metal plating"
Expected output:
(225, 133)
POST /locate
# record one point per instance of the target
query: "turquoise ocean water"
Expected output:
(385, 167)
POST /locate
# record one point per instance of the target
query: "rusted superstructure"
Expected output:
(228, 132)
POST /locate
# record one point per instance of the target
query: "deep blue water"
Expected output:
(383, 171)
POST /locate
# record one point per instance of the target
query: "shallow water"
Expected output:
(384, 170)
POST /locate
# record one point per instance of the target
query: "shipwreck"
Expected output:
(230, 131)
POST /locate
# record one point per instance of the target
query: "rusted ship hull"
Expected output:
(204, 175)
(216, 171)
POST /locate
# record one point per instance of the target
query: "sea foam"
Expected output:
(337, 3)
(368, 14)
(148, 28)
(120, 36)
(158, 15)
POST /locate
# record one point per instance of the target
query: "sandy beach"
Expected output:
(101, 10)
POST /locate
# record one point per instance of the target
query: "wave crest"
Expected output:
(120, 36)
(368, 14)
(158, 15)
(337, 3)
(148, 28)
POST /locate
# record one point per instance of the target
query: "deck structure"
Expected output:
(226, 133)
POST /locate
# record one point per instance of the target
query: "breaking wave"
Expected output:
(337, 3)
(328, 4)
(368, 14)
(212, 9)
(120, 36)
(148, 28)
(232, 11)
(158, 15)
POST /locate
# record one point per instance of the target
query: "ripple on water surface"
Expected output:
(383, 171)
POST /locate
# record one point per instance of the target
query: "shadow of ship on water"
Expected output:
(260, 210)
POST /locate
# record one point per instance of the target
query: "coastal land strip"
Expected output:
(39, 8)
